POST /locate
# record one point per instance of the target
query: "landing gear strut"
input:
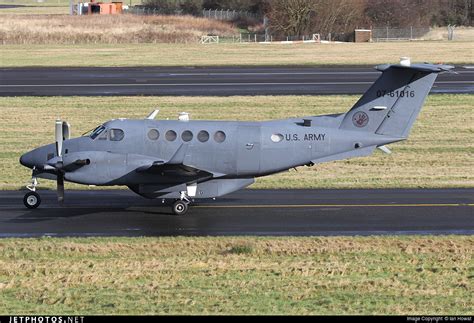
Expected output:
(181, 206)
(32, 199)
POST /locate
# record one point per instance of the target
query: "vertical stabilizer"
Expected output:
(391, 105)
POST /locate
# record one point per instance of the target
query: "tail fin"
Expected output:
(391, 105)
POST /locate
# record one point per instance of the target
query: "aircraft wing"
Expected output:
(178, 171)
(146, 164)
(175, 166)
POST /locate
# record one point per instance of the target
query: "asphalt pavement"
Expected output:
(206, 81)
(247, 212)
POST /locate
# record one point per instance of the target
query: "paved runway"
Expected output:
(247, 212)
(218, 81)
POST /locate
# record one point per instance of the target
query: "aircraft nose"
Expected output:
(27, 159)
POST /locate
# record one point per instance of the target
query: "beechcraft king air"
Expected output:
(183, 160)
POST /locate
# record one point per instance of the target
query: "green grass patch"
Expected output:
(363, 275)
(439, 152)
(240, 249)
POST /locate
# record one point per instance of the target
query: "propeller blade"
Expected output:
(60, 186)
(66, 130)
(59, 137)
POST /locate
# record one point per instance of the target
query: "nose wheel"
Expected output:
(32, 200)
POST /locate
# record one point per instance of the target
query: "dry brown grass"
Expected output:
(113, 29)
(162, 54)
(460, 33)
(336, 275)
(34, 10)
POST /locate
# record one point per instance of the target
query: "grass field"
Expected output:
(439, 152)
(109, 29)
(35, 10)
(233, 54)
(245, 275)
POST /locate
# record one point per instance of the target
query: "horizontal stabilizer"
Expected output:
(424, 67)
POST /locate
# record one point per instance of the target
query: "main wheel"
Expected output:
(32, 200)
(180, 207)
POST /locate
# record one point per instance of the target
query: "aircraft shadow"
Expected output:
(48, 214)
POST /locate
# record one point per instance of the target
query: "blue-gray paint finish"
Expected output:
(163, 168)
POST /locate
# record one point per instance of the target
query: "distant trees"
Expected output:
(291, 17)
(338, 16)
(191, 7)
(303, 17)
(453, 12)
(255, 6)
(298, 17)
(398, 13)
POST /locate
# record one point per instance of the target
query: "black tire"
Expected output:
(180, 207)
(32, 200)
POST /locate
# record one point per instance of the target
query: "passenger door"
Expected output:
(248, 149)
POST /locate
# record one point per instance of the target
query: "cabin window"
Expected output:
(153, 134)
(219, 136)
(276, 137)
(187, 135)
(116, 134)
(203, 136)
(170, 135)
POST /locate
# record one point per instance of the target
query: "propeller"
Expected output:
(59, 134)
(56, 165)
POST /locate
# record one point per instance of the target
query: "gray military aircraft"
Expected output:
(185, 160)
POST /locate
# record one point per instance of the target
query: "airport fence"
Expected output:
(205, 13)
(385, 34)
(229, 14)
(261, 37)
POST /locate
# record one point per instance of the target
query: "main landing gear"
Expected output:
(32, 199)
(181, 206)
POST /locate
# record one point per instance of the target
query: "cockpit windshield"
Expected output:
(97, 131)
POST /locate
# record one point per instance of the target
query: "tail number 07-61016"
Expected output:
(396, 94)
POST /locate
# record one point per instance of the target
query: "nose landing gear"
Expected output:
(32, 199)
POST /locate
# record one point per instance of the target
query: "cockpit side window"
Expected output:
(116, 134)
(97, 131)
(103, 135)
